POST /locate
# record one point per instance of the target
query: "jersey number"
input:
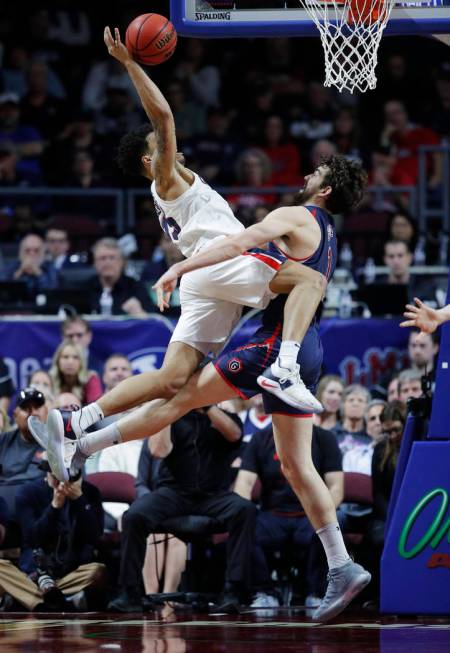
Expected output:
(169, 226)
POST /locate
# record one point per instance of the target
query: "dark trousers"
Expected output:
(274, 533)
(151, 510)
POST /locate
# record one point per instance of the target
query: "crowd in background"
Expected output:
(202, 455)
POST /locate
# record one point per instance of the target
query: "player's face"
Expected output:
(312, 186)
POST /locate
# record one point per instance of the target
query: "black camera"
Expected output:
(43, 576)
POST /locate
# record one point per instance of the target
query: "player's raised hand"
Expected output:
(115, 46)
(165, 286)
(421, 316)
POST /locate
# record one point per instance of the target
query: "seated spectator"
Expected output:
(10, 172)
(351, 430)
(78, 330)
(189, 116)
(112, 292)
(282, 518)
(422, 352)
(6, 385)
(70, 374)
(61, 525)
(401, 140)
(57, 245)
(20, 455)
(192, 480)
(398, 259)
(319, 150)
(40, 108)
(346, 133)
(359, 459)
(402, 227)
(83, 175)
(409, 384)
(283, 154)
(329, 393)
(118, 115)
(15, 74)
(165, 556)
(196, 70)
(99, 78)
(67, 400)
(384, 463)
(42, 381)
(253, 168)
(392, 389)
(27, 140)
(254, 419)
(316, 122)
(31, 266)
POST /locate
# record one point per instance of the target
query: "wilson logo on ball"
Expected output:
(235, 365)
(164, 41)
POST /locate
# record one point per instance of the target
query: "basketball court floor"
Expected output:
(256, 631)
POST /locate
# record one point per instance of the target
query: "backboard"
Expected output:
(247, 18)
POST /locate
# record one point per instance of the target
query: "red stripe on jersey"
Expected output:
(268, 260)
(292, 258)
(302, 416)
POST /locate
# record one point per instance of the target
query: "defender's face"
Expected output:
(313, 184)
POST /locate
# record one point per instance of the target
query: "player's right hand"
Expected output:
(115, 46)
(421, 316)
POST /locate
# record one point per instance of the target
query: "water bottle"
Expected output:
(419, 253)
(106, 302)
(346, 257)
(370, 271)
(345, 304)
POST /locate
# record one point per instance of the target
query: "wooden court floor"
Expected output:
(261, 631)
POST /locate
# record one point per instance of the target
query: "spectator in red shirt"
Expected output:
(253, 169)
(283, 154)
(402, 141)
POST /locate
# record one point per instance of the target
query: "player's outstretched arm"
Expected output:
(424, 317)
(155, 106)
(277, 223)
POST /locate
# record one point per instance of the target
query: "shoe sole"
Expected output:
(278, 392)
(38, 431)
(351, 592)
(55, 447)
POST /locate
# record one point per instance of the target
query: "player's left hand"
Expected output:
(115, 46)
(165, 286)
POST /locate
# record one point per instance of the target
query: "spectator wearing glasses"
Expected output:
(57, 245)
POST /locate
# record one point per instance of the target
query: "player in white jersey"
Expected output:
(194, 215)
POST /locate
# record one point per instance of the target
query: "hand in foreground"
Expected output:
(421, 316)
(165, 286)
(115, 46)
(72, 489)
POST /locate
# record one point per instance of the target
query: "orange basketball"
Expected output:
(151, 39)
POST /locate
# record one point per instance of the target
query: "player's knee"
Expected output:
(172, 384)
(293, 469)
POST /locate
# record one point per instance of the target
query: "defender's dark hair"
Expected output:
(132, 147)
(348, 181)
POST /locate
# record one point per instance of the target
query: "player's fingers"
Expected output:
(419, 303)
(117, 35)
(410, 314)
(407, 323)
(107, 35)
(411, 308)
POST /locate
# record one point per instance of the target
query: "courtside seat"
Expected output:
(357, 491)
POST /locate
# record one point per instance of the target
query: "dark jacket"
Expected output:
(68, 535)
(48, 280)
(125, 288)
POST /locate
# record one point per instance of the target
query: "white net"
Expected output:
(350, 31)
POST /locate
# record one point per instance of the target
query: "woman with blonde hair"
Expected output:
(70, 374)
(329, 392)
(5, 424)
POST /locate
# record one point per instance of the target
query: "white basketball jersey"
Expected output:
(196, 217)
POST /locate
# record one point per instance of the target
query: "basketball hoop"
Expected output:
(350, 31)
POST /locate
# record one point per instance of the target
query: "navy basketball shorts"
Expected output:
(241, 367)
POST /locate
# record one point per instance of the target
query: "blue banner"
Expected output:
(357, 350)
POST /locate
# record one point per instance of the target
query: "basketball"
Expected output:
(151, 39)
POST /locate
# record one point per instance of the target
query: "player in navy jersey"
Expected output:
(335, 185)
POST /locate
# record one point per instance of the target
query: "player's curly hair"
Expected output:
(348, 181)
(132, 147)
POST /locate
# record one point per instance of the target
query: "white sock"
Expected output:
(93, 442)
(333, 543)
(89, 415)
(287, 356)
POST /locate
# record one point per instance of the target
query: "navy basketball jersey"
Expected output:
(323, 260)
